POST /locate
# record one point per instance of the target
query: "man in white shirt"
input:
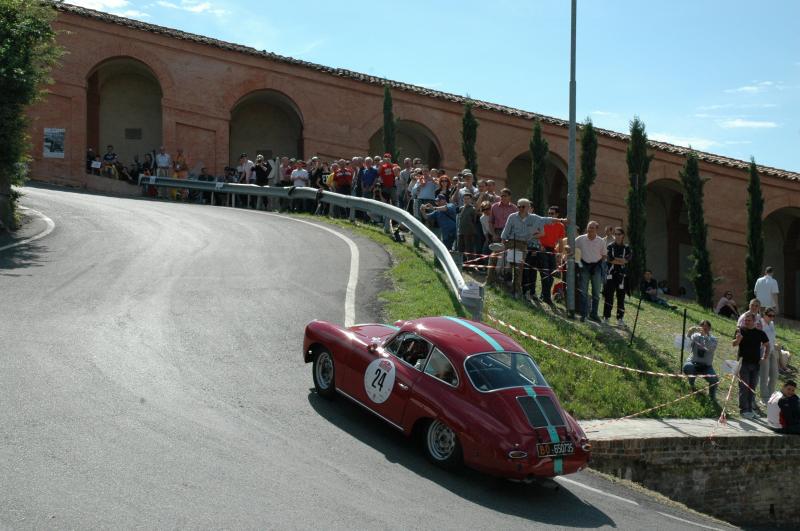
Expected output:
(299, 178)
(592, 252)
(766, 290)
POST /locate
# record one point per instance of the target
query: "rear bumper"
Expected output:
(498, 464)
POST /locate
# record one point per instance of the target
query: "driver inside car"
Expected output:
(415, 352)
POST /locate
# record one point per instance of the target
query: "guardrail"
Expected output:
(470, 295)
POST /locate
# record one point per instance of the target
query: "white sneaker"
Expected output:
(748, 414)
(620, 322)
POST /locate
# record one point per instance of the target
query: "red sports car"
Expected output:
(471, 393)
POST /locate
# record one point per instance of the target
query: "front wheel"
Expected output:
(441, 445)
(324, 373)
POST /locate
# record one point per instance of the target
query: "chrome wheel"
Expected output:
(442, 442)
(324, 373)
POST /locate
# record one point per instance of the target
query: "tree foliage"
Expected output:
(638, 166)
(755, 233)
(588, 174)
(539, 149)
(700, 273)
(27, 52)
(389, 125)
(469, 136)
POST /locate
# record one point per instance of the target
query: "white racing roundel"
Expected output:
(379, 380)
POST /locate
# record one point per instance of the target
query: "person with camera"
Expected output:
(701, 362)
(444, 214)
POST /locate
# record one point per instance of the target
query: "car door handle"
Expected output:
(402, 386)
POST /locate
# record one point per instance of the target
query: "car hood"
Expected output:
(373, 331)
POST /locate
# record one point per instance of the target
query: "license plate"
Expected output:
(555, 449)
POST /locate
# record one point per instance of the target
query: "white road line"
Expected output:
(598, 491)
(688, 521)
(45, 232)
(352, 281)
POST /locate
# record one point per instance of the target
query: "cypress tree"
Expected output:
(638, 165)
(469, 136)
(755, 235)
(588, 174)
(700, 273)
(539, 149)
(389, 125)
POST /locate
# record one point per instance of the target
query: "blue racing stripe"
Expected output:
(558, 462)
(486, 337)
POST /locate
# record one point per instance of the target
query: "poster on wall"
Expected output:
(54, 142)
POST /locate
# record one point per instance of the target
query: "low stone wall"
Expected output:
(745, 479)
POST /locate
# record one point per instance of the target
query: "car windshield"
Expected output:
(501, 370)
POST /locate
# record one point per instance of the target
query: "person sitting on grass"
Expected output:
(726, 306)
(649, 290)
(701, 362)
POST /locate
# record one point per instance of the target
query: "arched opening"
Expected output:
(669, 245)
(782, 252)
(413, 140)
(518, 179)
(265, 122)
(123, 108)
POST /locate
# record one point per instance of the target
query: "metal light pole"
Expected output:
(571, 186)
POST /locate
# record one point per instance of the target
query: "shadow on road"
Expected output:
(557, 507)
(21, 257)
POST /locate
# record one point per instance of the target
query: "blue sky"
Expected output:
(721, 75)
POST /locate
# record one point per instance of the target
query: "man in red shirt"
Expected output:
(342, 182)
(386, 175)
(550, 243)
(497, 222)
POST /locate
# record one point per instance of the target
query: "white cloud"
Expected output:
(703, 144)
(192, 6)
(737, 142)
(603, 113)
(132, 13)
(196, 8)
(757, 87)
(737, 106)
(739, 123)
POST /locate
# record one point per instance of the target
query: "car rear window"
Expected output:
(501, 370)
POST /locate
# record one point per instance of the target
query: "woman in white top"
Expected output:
(768, 373)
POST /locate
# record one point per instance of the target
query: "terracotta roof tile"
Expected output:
(372, 80)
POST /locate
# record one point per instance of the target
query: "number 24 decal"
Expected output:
(380, 378)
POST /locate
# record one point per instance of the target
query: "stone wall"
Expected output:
(744, 480)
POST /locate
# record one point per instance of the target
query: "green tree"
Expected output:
(700, 273)
(469, 136)
(27, 52)
(588, 174)
(539, 149)
(755, 233)
(638, 166)
(389, 125)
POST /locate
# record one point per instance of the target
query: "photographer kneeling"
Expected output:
(701, 362)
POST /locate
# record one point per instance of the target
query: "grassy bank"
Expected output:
(588, 389)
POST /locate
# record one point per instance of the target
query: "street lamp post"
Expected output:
(571, 186)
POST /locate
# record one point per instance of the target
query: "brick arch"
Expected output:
(423, 128)
(158, 68)
(233, 97)
(778, 202)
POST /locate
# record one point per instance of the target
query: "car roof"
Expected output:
(461, 338)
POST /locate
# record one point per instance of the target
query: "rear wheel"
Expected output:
(324, 373)
(441, 444)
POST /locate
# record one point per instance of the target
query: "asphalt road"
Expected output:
(151, 376)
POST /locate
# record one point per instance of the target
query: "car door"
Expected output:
(383, 381)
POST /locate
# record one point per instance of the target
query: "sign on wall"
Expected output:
(54, 142)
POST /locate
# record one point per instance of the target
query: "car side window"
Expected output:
(440, 368)
(413, 350)
(393, 346)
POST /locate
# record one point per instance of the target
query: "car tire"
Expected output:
(441, 444)
(324, 373)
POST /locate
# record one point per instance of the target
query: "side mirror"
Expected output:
(374, 344)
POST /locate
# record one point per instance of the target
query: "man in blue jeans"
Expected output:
(752, 342)
(445, 215)
(703, 346)
(592, 249)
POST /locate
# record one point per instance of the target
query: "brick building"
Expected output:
(138, 86)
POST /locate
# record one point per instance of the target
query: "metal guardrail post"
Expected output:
(470, 295)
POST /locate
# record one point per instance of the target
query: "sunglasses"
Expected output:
(769, 314)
